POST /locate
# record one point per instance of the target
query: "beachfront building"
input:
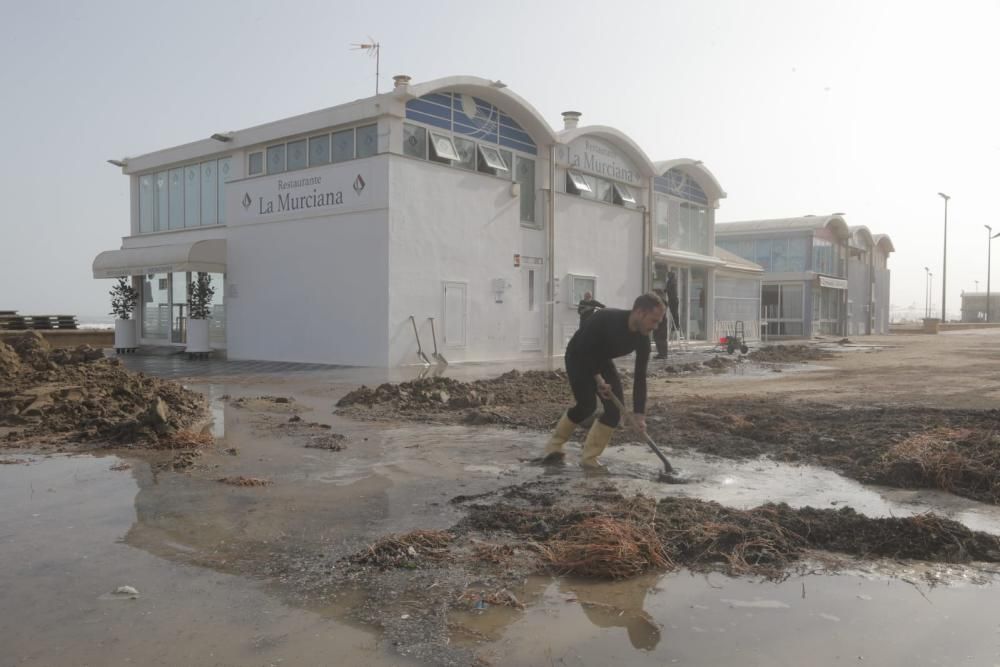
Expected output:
(821, 276)
(447, 211)
(717, 289)
(974, 306)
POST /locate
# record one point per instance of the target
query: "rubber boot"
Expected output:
(597, 439)
(554, 448)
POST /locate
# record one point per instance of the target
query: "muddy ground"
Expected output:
(410, 536)
(955, 450)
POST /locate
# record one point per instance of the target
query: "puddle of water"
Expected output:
(746, 484)
(684, 619)
(64, 523)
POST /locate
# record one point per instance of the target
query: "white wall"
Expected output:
(310, 289)
(594, 238)
(448, 224)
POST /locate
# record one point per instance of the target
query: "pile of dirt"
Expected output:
(532, 399)
(789, 354)
(78, 396)
(902, 446)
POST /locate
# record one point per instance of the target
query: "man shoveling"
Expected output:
(609, 333)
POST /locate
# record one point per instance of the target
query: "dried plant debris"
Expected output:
(240, 480)
(902, 446)
(533, 399)
(788, 354)
(332, 442)
(406, 550)
(621, 538)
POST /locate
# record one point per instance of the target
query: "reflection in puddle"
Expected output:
(62, 524)
(681, 618)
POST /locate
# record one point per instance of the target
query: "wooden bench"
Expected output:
(11, 321)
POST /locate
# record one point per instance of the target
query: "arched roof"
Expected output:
(860, 232)
(694, 168)
(616, 137)
(835, 223)
(495, 93)
(884, 243)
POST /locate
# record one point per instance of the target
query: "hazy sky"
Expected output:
(797, 106)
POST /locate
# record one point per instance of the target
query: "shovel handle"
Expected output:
(630, 418)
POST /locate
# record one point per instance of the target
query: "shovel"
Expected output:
(668, 474)
(420, 352)
(438, 357)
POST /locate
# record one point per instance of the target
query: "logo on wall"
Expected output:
(359, 185)
(246, 200)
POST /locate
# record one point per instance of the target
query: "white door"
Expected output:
(531, 306)
(454, 315)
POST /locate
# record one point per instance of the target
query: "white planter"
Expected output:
(125, 336)
(197, 337)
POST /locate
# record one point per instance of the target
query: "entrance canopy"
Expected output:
(207, 256)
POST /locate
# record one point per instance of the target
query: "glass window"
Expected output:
(192, 195)
(491, 158)
(297, 157)
(525, 175)
(623, 195)
(442, 150)
(791, 302)
(176, 188)
(576, 184)
(508, 159)
(414, 141)
(466, 150)
(579, 285)
(225, 175)
(343, 145)
(256, 164)
(779, 248)
(209, 193)
(276, 159)
(368, 140)
(319, 150)
(763, 256)
(798, 249)
(662, 218)
(146, 203)
(162, 202)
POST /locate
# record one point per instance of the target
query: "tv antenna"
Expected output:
(372, 47)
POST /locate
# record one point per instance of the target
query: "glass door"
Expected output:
(155, 306)
(698, 298)
(178, 307)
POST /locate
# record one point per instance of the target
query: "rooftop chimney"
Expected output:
(571, 119)
(401, 81)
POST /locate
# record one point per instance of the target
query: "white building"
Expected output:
(450, 201)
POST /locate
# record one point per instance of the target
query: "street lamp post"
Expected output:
(930, 292)
(989, 251)
(944, 264)
(927, 292)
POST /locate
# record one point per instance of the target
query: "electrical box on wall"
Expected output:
(500, 285)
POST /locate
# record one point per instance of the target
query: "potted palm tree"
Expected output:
(200, 293)
(124, 297)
